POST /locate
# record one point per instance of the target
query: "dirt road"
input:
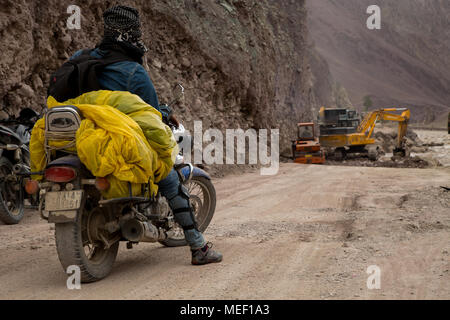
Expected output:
(310, 232)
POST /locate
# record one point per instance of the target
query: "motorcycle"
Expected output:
(15, 164)
(88, 229)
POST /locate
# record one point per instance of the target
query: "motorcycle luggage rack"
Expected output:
(130, 198)
(61, 124)
(114, 201)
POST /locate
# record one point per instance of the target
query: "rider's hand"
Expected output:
(174, 120)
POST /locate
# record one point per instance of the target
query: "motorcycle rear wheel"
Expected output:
(203, 200)
(11, 200)
(75, 247)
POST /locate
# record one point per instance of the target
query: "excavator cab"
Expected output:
(306, 148)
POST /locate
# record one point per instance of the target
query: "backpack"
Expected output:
(79, 75)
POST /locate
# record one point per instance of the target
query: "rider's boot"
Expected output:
(205, 255)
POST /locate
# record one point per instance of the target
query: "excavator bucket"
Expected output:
(400, 152)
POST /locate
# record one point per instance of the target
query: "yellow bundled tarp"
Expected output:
(121, 138)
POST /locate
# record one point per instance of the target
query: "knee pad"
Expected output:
(184, 193)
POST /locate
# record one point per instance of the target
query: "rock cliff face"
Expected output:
(407, 62)
(243, 63)
(248, 64)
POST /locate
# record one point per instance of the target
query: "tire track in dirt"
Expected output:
(308, 233)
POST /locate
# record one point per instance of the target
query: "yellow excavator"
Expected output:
(341, 130)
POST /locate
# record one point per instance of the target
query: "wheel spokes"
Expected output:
(90, 253)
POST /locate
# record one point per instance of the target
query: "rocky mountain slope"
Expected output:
(407, 62)
(244, 63)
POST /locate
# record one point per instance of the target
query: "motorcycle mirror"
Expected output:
(177, 93)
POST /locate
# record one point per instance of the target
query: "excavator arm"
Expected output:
(368, 124)
(402, 127)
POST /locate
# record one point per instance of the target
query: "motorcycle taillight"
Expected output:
(60, 174)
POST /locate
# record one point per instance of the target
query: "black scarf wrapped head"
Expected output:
(123, 32)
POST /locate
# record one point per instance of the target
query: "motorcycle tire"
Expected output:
(8, 214)
(70, 245)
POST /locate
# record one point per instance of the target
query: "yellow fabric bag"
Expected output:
(121, 138)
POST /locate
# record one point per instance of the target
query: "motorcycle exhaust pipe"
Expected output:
(136, 231)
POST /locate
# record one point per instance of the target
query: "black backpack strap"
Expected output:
(80, 75)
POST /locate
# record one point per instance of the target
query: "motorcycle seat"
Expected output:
(70, 160)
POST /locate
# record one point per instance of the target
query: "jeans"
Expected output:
(170, 189)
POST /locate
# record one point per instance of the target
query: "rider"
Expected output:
(122, 33)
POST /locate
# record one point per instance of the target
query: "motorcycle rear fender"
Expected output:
(66, 216)
(62, 216)
(70, 215)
